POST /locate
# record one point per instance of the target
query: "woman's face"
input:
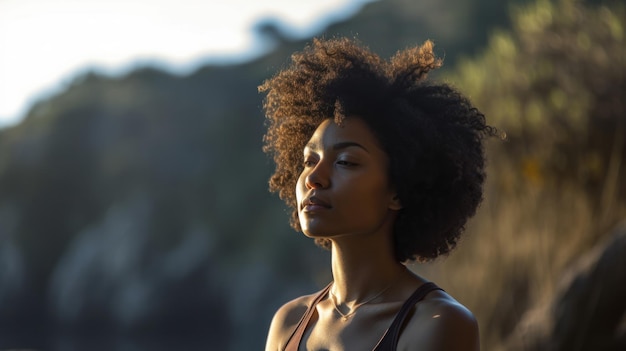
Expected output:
(344, 188)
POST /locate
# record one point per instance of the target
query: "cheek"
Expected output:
(372, 197)
(300, 189)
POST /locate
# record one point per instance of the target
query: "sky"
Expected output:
(45, 43)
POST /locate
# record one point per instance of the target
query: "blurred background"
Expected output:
(134, 211)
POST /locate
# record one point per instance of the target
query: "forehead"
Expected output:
(352, 129)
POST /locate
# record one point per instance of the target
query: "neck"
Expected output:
(363, 266)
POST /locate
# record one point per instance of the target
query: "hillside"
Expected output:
(134, 210)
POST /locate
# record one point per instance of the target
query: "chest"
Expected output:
(327, 330)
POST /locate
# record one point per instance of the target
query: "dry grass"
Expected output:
(517, 247)
(558, 185)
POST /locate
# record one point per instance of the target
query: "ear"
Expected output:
(395, 204)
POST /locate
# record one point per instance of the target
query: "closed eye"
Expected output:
(346, 163)
(308, 163)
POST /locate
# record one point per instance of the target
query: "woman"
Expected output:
(381, 167)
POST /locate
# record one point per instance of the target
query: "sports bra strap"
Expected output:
(389, 341)
(294, 340)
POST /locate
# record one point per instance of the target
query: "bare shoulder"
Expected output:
(440, 323)
(285, 321)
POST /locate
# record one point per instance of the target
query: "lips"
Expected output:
(313, 203)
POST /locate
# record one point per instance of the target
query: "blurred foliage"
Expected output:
(559, 79)
(138, 206)
(555, 84)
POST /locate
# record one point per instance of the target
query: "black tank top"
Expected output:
(388, 341)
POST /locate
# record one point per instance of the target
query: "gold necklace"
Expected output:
(345, 316)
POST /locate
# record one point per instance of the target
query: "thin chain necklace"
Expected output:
(345, 316)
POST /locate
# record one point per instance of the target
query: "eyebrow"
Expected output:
(338, 146)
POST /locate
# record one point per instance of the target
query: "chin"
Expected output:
(314, 233)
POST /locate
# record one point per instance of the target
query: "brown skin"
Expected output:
(431, 133)
(354, 206)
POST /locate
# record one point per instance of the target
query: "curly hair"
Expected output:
(430, 132)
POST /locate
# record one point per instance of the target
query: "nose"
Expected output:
(318, 177)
